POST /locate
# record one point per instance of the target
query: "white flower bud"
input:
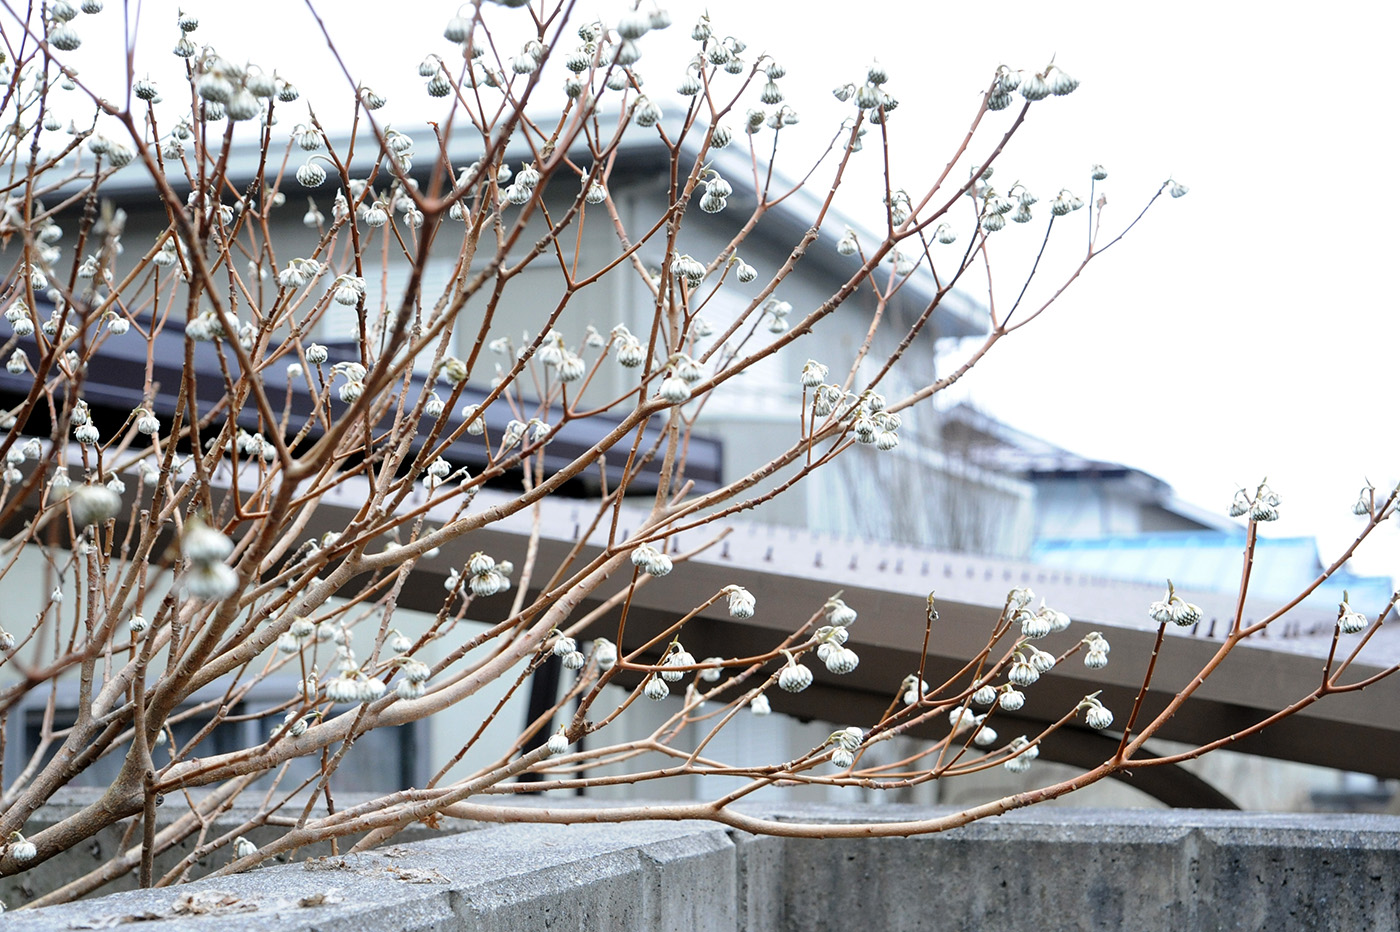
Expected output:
(842, 660)
(1096, 716)
(1060, 83)
(1011, 700)
(632, 354)
(605, 654)
(674, 390)
(1350, 621)
(311, 175)
(656, 689)
(558, 743)
(21, 849)
(813, 373)
(1096, 659)
(741, 602)
(794, 678)
(1177, 189)
(677, 658)
(1023, 673)
(647, 113)
(1034, 625)
(93, 504)
(1033, 87)
(758, 705)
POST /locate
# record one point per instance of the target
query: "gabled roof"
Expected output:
(639, 152)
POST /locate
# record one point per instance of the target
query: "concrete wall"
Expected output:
(1038, 871)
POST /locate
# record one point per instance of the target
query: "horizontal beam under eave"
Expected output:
(1353, 731)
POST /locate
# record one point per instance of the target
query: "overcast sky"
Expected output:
(1240, 332)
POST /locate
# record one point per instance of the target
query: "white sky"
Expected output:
(1239, 332)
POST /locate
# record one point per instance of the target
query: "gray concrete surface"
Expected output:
(1045, 871)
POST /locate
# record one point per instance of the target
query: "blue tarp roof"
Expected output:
(1211, 561)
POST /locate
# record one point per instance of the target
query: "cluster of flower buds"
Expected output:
(831, 649)
(713, 671)
(1023, 753)
(300, 632)
(84, 431)
(961, 719)
(522, 188)
(871, 424)
(354, 386)
(844, 744)
(826, 399)
(1032, 85)
(650, 560)
(1350, 621)
(207, 576)
(716, 196)
(1262, 506)
(871, 95)
(1365, 501)
(1029, 663)
(1173, 608)
(353, 685)
(414, 682)
(1040, 623)
(567, 364)
(486, 577)
(689, 270)
(758, 705)
(1096, 651)
(912, 689)
(630, 351)
(19, 317)
(299, 272)
(235, 91)
(985, 735)
(31, 449)
(255, 446)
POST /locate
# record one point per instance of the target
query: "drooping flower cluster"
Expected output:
(1261, 506)
(207, 576)
(1173, 608)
